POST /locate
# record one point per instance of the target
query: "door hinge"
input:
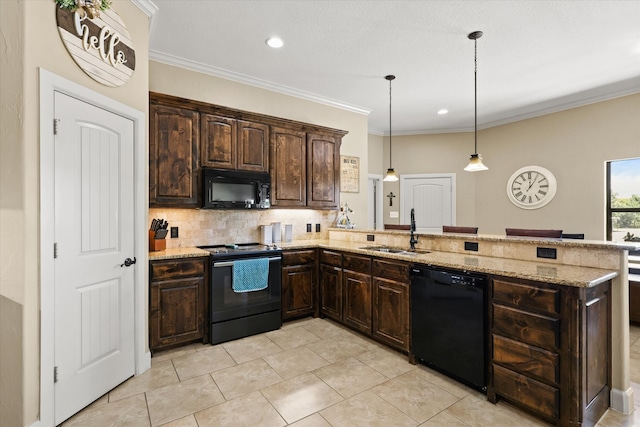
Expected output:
(55, 126)
(55, 250)
(55, 374)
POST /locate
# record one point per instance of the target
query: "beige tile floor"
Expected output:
(310, 373)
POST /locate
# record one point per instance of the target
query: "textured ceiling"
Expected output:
(535, 56)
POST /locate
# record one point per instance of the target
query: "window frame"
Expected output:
(610, 210)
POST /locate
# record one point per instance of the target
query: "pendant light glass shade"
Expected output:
(475, 162)
(391, 175)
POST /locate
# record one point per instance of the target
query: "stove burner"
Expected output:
(246, 248)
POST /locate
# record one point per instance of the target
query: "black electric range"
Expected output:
(235, 314)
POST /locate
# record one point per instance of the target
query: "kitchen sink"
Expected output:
(392, 250)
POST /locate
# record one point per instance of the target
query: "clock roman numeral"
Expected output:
(519, 193)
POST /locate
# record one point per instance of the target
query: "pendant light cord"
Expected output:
(475, 96)
(390, 163)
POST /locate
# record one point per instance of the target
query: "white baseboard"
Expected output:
(622, 401)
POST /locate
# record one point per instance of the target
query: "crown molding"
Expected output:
(252, 81)
(149, 9)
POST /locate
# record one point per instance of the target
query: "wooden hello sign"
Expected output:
(101, 46)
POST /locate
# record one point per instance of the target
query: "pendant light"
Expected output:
(391, 176)
(475, 162)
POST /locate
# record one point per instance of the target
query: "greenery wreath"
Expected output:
(91, 8)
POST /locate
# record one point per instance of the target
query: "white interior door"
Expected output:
(94, 234)
(433, 198)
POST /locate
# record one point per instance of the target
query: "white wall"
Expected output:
(573, 144)
(31, 40)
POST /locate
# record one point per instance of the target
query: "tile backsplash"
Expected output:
(199, 227)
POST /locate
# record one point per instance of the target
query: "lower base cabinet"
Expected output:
(178, 303)
(391, 303)
(368, 294)
(549, 348)
(299, 289)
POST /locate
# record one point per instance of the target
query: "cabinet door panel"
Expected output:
(357, 300)
(533, 394)
(173, 156)
(538, 330)
(528, 297)
(526, 359)
(218, 142)
(391, 312)
(323, 175)
(177, 312)
(331, 291)
(253, 146)
(391, 269)
(298, 290)
(288, 168)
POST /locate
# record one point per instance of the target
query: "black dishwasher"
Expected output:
(448, 332)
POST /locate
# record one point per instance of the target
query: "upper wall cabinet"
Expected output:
(253, 146)
(173, 156)
(185, 135)
(234, 144)
(218, 141)
(323, 171)
(288, 167)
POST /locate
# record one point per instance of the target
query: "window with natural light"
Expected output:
(623, 207)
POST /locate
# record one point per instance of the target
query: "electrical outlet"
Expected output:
(317, 228)
(393, 214)
(174, 232)
(308, 228)
(371, 237)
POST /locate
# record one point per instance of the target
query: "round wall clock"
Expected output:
(531, 187)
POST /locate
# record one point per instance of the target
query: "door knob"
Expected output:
(128, 262)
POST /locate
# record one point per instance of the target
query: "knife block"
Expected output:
(156, 244)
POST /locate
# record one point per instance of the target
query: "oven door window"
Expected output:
(227, 304)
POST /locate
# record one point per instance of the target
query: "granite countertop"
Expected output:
(559, 274)
(567, 275)
(177, 253)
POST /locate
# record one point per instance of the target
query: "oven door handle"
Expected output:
(230, 263)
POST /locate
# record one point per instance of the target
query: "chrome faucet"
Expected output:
(414, 239)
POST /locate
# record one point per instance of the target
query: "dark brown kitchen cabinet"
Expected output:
(288, 167)
(356, 285)
(173, 156)
(549, 349)
(331, 284)
(178, 302)
(299, 290)
(218, 141)
(391, 302)
(323, 171)
(253, 146)
(227, 143)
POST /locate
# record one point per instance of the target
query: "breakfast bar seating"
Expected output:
(532, 232)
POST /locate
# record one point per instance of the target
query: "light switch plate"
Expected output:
(393, 214)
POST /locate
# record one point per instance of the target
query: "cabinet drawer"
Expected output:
(394, 270)
(527, 297)
(177, 268)
(526, 359)
(530, 328)
(307, 256)
(331, 258)
(357, 263)
(528, 392)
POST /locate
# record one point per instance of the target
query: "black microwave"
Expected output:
(235, 189)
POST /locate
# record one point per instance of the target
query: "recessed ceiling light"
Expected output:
(443, 111)
(274, 42)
